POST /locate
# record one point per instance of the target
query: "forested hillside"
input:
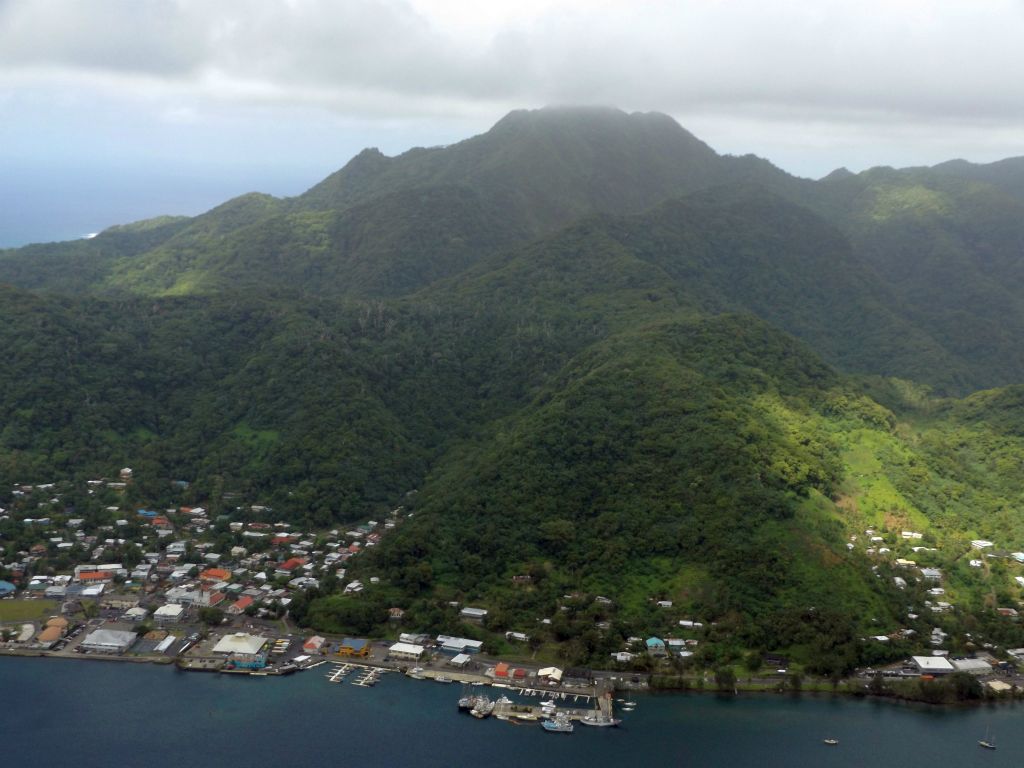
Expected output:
(609, 359)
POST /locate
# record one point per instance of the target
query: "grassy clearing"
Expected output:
(26, 610)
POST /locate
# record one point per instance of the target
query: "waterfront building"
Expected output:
(932, 665)
(406, 651)
(313, 644)
(248, 661)
(240, 643)
(351, 646)
(972, 666)
(108, 641)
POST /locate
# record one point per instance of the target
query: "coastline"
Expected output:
(813, 689)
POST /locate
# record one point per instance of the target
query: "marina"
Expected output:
(366, 676)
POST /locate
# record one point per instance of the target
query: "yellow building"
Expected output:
(352, 646)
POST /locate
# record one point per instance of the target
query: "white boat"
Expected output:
(559, 724)
(483, 707)
(830, 742)
(599, 721)
(987, 742)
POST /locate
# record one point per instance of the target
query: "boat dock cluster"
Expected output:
(557, 711)
(365, 675)
(552, 716)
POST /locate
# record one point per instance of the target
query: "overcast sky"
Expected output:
(114, 110)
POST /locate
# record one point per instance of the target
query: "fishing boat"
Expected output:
(442, 679)
(483, 707)
(559, 724)
(416, 673)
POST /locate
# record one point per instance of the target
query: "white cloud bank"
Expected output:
(788, 78)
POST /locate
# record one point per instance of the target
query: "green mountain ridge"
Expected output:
(608, 358)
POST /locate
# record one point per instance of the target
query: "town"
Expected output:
(85, 573)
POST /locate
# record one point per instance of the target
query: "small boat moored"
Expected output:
(559, 724)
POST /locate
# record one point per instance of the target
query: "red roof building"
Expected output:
(215, 574)
(238, 607)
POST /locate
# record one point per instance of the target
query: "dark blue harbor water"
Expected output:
(82, 714)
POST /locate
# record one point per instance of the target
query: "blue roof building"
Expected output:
(655, 645)
(6, 588)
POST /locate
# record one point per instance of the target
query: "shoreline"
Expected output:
(739, 689)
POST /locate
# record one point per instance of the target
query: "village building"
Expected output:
(932, 665)
(240, 643)
(351, 646)
(406, 651)
(108, 641)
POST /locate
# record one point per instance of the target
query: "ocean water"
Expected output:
(81, 714)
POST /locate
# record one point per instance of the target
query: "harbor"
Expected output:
(417, 724)
(556, 709)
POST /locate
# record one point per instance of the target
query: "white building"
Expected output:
(240, 642)
(108, 641)
(932, 665)
(170, 613)
(473, 614)
(972, 666)
(406, 651)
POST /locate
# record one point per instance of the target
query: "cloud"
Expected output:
(875, 59)
(829, 76)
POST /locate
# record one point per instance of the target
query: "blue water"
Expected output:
(58, 713)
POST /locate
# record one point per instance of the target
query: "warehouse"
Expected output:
(932, 665)
(240, 642)
(108, 641)
(972, 666)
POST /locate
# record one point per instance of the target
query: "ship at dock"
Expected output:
(560, 723)
(599, 720)
(477, 706)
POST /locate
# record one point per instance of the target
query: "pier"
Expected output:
(367, 676)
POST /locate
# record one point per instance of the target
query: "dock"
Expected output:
(200, 664)
(366, 676)
(338, 674)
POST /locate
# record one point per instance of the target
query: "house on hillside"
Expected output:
(655, 646)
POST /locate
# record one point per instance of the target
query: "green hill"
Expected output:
(610, 360)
